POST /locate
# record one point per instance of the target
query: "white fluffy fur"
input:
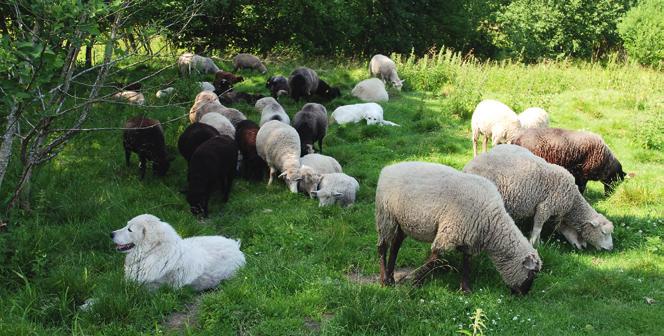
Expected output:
(370, 90)
(270, 109)
(189, 62)
(220, 123)
(159, 256)
(496, 120)
(534, 117)
(385, 68)
(163, 93)
(131, 97)
(371, 112)
(206, 86)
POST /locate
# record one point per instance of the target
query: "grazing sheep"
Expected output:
(336, 188)
(212, 164)
(534, 117)
(131, 97)
(220, 123)
(493, 119)
(278, 86)
(370, 90)
(453, 210)
(233, 97)
(193, 136)
(385, 68)
(189, 62)
(271, 110)
(311, 124)
(233, 115)
(279, 145)
(535, 189)
(145, 137)
(371, 112)
(312, 168)
(583, 154)
(244, 61)
(253, 167)
(205, 102)
(163, 93)
(227, 76)
(304, 83)
(206, 86)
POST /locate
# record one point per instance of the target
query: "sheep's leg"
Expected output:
(465, 273)
(541, 215)
(572, 236)
(484, 143)
(394, 250)
(476, 135)
(424, 270)
(272, 173)
(142, 165)
(382, 251)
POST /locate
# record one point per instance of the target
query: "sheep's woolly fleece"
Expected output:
(495, 120)
(279, 145)
(220, 123)
(370, 90)
(271, 110)
(534, 117)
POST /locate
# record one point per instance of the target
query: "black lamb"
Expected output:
(145, 137)
(192, 137)
(311, 124)
(253, 167)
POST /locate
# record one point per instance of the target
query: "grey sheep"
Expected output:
(535, 189)
(242, 61)
(313, 166)
(188, 62)
(233, 115)
(271, 110)
(336, 188)
(278, 86)
(304, 83)
(385, 68)
(311, 124)
(205, 102)
(220, 123)
(454, 211)
(279, 145)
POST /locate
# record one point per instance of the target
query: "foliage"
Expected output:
(478, 325)
(642, 30)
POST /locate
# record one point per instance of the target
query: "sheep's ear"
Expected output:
(314, 193)
(531, 263)
(593, 223)
(337, 195)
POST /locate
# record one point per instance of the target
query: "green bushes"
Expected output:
(642, 30)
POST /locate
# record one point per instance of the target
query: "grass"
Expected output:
(299, 256)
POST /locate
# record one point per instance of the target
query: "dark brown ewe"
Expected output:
(145, 137)
(192, 137)
(253, 167)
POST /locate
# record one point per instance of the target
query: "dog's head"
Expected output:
(136, 232)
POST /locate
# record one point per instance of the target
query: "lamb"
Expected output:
(311, 124)
(193, 136)
(534, 117)
(371, 112)
(220, 123)
(583, 154)
(304, 82)
(493, 119)
(243, 61)
(227, 76)
(213, 163)
(278, 86)
(233, 115)
(385, 68)
(535, 189)
(145, 137)
(336, 188)
(253, 167)
(131, 97)
(205, 102)
(313, 166)
(370, 90)
(271, 110)
(279, 145)
(233, 97)
(452, 210)
(189, 62)
(206, 86)
(163, 93)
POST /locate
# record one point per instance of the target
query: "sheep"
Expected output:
(370, 90)
(205, 102)
(279, 145)
(453, 210)
(583, 154)
(311, 124)
(371, 112)
(131, 97)
(193, 136)
(534, 117)
(242, 61)
(535, 189)
(336, 188)
(233, 115)
(271, 110)
(253, 167)
(206, 86)
(312, 168)
(385, 68)
(220, 123)
(227, 76)
(135, 86)
(233, 97)
(493, 119)
(304, 82)
(163, 93)
(145, 137)
(213, 163)
(278, 86)
(189, 62)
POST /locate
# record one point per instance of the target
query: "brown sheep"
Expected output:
(145, 137)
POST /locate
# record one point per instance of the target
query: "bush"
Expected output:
(642, 30)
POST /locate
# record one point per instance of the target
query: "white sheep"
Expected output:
(279, 145)
(370, 90)
(313, 166)
(454, 211)
(271, 110)
(534, 117)
(163, 93)
(220, 123)
(493, 119)
(385, 68)
(371, 112)
(206, 86)
(131, 97)
(189, 62)
(535, 189)
(205, 102)
(241, 61)
(336, 188)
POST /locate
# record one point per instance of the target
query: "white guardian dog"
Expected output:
(157, 255)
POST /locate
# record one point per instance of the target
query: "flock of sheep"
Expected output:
(533, 173)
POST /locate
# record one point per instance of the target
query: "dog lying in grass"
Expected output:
(157, 255)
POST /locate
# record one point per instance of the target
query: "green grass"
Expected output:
(299, 255)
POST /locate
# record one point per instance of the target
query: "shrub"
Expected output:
(642, 30)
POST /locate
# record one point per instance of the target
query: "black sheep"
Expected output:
(253, 167)
(233, 97)
(278, 85)
(311, 124)
(304, 83)
(146, 137)
(212, 165)
(192, 137)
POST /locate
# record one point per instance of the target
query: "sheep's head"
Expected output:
(398, 83)
(310, 180)
(327, 197)
(613, 177)
(262, 68)
(292, 176)
(525, 273)
(598, 232)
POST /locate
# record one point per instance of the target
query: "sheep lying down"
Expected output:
(354, 113)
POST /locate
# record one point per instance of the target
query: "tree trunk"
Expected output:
(88, 52)
(7, 141)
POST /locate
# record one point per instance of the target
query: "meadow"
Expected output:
(313, 270)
